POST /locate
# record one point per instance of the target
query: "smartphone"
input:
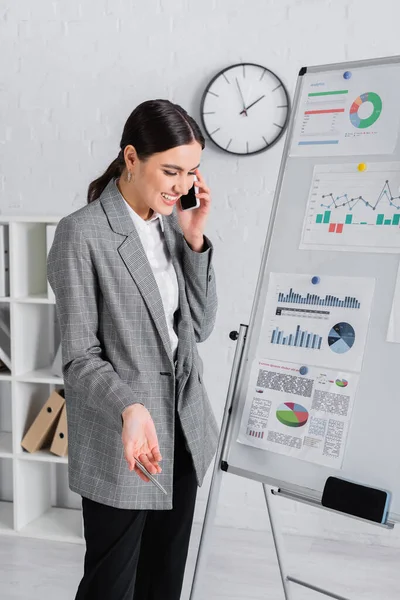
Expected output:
(189, 201)
(355, 499)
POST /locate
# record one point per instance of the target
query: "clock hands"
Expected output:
(241, 95)
(246, 108)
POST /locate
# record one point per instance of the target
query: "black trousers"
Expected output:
(140, 554)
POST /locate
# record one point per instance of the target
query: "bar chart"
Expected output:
(299, 339)
(316, 300)
(317, 319)
(348, 208)
(381, 219)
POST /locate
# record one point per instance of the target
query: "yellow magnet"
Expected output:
(362, 167)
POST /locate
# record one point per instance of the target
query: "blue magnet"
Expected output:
(347, 75)
(315, 280)
(303, 370)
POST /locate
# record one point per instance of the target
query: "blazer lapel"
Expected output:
(135, 259)
(173, 241)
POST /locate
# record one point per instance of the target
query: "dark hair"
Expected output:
(154, 126)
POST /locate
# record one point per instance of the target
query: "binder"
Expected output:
(5, 337)
(59, 445)
(50, 231)
(43, 427)
(4, 262)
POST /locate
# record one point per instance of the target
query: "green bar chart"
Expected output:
(326, 218)
(348, 208)
(380, 219)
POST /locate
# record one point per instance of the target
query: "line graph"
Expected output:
(362, 207)
(344, 200)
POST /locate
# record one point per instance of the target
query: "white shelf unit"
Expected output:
(35, 500)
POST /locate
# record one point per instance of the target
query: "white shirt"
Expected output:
(151, 235)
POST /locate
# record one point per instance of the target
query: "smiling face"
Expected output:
(159, 181)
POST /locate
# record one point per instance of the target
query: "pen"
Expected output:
(150, 476)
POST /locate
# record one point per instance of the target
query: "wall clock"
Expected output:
(245, 109)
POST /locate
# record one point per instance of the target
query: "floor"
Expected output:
(242, 566)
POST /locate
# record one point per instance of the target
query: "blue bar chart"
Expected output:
(317, 319)
(316, 300)
(299, 339)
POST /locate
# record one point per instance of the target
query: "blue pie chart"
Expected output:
(341, 338)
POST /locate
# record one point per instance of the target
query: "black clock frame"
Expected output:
(284, 127)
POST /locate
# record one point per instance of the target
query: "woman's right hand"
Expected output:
(139, 439)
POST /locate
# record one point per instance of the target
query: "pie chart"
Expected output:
(292, 415)
(341, 338)
(376, 103)
(342, 383)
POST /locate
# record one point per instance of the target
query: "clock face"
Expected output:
(245, 109)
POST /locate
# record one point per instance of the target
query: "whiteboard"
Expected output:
(372, 455)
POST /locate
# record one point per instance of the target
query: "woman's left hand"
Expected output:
(193, 222)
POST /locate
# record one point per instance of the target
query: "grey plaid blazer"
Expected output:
(116, 349)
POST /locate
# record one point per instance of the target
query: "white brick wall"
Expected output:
(70, 74)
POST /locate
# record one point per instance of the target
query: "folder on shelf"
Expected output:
(50, 231)
(41, 432)
(4, 262)
(59, 445)
(5, 337)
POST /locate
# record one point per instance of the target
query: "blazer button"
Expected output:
(209, 277)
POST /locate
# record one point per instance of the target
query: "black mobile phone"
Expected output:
(355, 499)
(189, 201)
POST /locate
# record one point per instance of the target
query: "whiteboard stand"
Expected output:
(296, 245)
(311, 501)
(216, 480)
(221, 466)
(278, 543)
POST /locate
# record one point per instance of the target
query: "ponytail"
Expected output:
(97, 186)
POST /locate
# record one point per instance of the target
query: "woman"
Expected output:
(135, 292)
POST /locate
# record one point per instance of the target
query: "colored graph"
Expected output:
(335, 202)
(316, 300)
(364, 123)
(341, 338)
(342, 383)
(351, 208)
(292, 415)
(299, 339)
